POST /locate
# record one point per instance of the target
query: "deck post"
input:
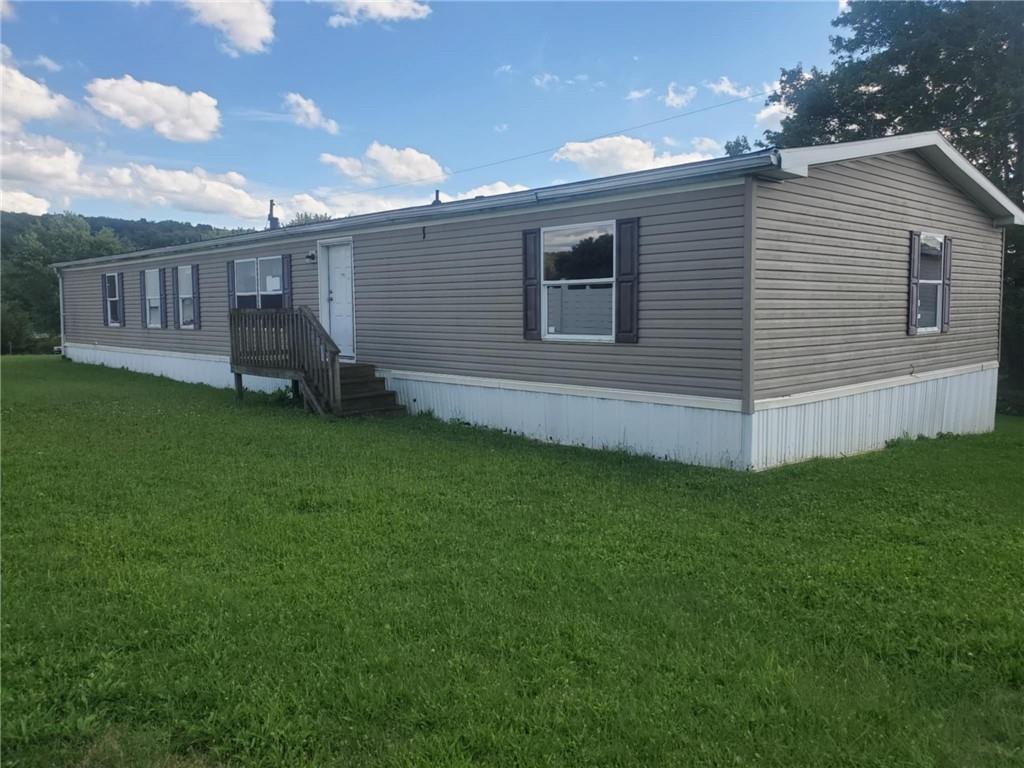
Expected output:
(238, 387)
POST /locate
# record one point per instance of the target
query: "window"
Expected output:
(186, 301)
(578, 282)
(112, 291)
(154, 314)
(929, 292)
(271, 283)
(259, 283)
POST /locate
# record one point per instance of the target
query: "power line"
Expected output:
(491, 164)
(547, 150)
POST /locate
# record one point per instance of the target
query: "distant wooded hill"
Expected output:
(134, 234)
(30, 244)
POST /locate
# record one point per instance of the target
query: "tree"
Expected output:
(15, 330)
(737, 146)
(29, 281)
(904, 67)
(308, 218)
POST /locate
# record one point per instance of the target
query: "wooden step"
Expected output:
(371, 401)
(352, 372)
(361, 388)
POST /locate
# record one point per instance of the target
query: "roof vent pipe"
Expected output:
(437, 197)
(272, 221)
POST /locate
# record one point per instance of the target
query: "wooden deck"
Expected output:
(292, 344)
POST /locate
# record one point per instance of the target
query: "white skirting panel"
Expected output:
(835, 424)
(192, 368)
(586, 417)
(696, 430)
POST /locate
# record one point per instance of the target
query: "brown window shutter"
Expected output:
(947, 273)
(286, 281)
(627, 281)
(122, 306)
(232, 299)
(162, 276)
(915, 276)
(175, 296)
(531, 284)
(103, 295)
(142, 298)
(195, 297)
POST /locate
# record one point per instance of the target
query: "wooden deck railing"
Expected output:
(287, 344)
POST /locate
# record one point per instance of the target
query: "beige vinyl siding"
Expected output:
(832, 268)
(83, 305)
(449, 299)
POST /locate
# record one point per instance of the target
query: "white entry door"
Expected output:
(339, 298)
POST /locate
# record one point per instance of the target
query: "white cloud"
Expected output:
(47, 167)
(635, 95)
(22, 202)
(171, 112)
(46, 63)
(6, 9)
(770, 118)
(247, 25)
(677, 99)
(351, 12)
(341, 203)
(405, 165)
(233, 178)
(501, 127)
(193, 190)
(486, 190)
(726, 87)
(504, 69)
(352, 167)
(550, 80)
(707, 145)
(546, 80)
(402, 166)
(39, 160)
(26, 99)
(303, 203)
(620, 154)
(305, 112)
(38, 169)
(844, 6)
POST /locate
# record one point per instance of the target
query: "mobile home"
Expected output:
(742, 312)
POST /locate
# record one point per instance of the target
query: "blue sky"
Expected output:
(201, 112)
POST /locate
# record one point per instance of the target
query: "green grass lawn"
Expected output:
(187, 582)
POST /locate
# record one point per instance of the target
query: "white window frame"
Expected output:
(938, 293)
(182, 296)
(118, 298)
(259, 292)
(256, 271)
(159, 304)
(545, 335)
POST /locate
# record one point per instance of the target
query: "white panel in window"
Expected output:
(580, 310)
(270, 275)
